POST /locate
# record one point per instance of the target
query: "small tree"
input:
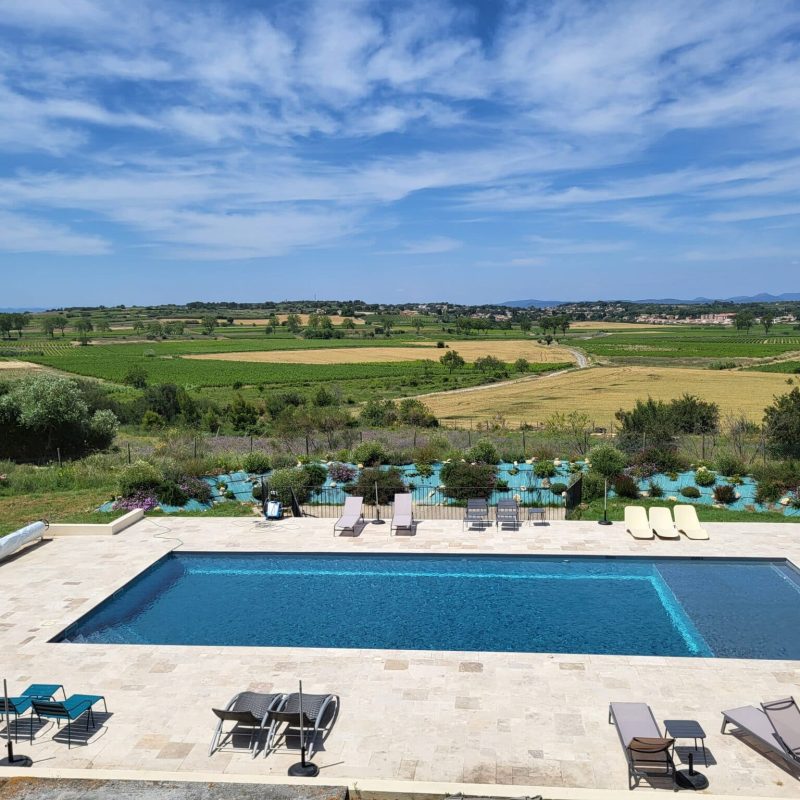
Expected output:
(767, 320)
(522, 365)
(60, 322)
(452, 360)
(293, 323)
(208, 323)
(18, 323)
(782, 423)
(83, 328)
(48, 326)
(609, 462)
(525, 325)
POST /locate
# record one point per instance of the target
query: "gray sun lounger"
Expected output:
(319, 714)
(477, 513)
(249, 713)
(507, 513)
(403, 517)
(351, 515)
(776, 725)
(647, 750)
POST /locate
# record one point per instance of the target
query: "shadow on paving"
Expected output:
(52, 789)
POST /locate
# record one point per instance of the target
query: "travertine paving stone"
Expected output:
(511, 718)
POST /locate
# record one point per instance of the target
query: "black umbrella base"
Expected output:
(19, 761)
(604, 522)
(687, 779)
(303, 770)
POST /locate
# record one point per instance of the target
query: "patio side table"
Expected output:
(687, 729)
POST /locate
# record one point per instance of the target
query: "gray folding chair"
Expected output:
(249, 713)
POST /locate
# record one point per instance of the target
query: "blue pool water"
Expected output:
(726, 608)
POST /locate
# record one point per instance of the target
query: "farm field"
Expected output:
(601, 391)
(469, 350)
(691, 344)
(791, 367)
(585, 325)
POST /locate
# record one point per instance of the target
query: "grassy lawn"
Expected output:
(73, 505)
(228, 509)
(616, 512)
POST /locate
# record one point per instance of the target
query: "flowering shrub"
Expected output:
(145, 500)
(196, 489)
(341, 473)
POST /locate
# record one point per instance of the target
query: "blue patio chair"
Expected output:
(70, 710)
(19, 705)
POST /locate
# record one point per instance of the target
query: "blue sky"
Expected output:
(398, 151)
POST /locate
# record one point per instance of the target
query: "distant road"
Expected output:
(581, 362)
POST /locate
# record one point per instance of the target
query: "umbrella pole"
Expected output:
(12, 760)
(303, 769)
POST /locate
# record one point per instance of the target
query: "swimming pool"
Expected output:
(701, 607)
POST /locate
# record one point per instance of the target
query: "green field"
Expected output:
(788, 367)
(687, 344)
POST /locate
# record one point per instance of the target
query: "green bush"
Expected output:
(483, 452)
(288, 480)
(654, 490)
(389, 482)
(256, 462)
(315, 476)
(544, 469)
(141, 476)
(690, 491)
(424, 470)
(768, 491)
(593, 486)
(370, 453)
(606, 460)
(725, 494)
(704, 477)
(625, 486)
(728, 465)
(283, 461)
(463, 480)
(501, 485)
(558, 488)
(170, 493)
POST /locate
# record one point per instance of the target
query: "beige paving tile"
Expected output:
(510, 718)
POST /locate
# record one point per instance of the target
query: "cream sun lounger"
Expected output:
(661, 523)
(636, 522)
(351, 516)
(687, 523)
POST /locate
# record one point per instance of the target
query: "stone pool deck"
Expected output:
(534, 721)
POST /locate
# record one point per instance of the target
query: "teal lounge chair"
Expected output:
(70, 710)
(19, 705)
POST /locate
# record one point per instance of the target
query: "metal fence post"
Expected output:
(58, 453)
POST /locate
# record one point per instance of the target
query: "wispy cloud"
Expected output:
(240, 130)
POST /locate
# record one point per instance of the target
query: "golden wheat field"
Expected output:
(504, 350)
(600, 391)
(18, 365)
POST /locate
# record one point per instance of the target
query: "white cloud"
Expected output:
(436, 244)
(24, 234)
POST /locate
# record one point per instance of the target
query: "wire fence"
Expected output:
(432, 504)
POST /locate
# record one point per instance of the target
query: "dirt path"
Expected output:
(581, 362)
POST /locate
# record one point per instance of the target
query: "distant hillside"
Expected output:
(18, 310)
(667, 301)
(532, 303)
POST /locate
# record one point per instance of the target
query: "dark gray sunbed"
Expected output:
(477, 513)
(647, 750)
(776, 725)
(507, 513)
